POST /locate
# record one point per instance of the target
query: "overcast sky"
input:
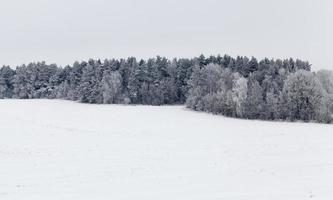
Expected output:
(62, 31)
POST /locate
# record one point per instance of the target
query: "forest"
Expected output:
(241, 87)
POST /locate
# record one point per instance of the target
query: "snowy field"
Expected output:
(51, 149)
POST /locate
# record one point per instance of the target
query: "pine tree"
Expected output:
(6, 82)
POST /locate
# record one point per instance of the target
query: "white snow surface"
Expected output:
(62, 150)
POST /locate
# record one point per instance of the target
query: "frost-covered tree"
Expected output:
(111, 87)
(302, 95)
(74, 80)
(325, 78)
(196, 91)
(6, 82)
(239, 93)
(204, 80)
(24, 82)
(254, 100)
(41, 84)
(87, 87)
(271, 107)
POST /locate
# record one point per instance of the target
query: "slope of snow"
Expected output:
(51, 149)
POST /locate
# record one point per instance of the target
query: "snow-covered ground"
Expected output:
(51, 149)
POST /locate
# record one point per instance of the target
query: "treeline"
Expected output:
(238, 87)
(278, 95)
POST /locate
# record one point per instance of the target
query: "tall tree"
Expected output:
(254, 100)
(111, 87)
(6, 82)
(302, 95)
(239, 92)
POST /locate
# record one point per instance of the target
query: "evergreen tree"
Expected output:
(87, 84)
(6, 82)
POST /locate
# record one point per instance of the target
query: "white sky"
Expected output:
(62, 31)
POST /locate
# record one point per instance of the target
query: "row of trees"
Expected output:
(200, 81)
(299, 95)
